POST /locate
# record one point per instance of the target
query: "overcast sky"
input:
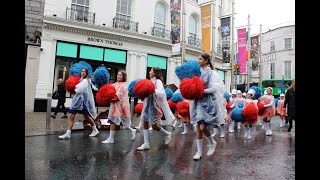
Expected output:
(269, 13)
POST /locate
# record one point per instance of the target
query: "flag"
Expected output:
(282, 87)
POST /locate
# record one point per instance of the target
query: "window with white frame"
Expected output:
(80, 5)
(272, 70)
(160, 16)
(287, 69)
(272, 45)
(80, 10)
(192, 27)
(219, 49)
(124, 9)
(287, 43)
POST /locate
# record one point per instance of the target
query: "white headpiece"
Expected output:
(251, 91)
(234, 91)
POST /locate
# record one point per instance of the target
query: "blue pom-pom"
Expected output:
(240, 105)
(169, 93)
(188, 69)
(101, 76)
(258, 91)
(236, 115)
(75, 70)
(131, 86)
(227, 96)
(176, 97)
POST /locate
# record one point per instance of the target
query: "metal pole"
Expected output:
(260, 56)
(183, 36)
(248, 60)
(232, 48)
(49, 99)
(213, 30)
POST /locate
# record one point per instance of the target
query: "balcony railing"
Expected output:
(160, 32)
(125, 25)
(194, 41)
(81, 16)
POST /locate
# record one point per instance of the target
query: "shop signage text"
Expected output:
(270, 57)
(104, 41)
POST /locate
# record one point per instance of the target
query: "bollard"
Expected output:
(49, 99)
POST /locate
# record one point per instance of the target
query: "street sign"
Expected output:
(236, 66)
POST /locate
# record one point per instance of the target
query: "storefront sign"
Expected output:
(270, 57)
(104, 41)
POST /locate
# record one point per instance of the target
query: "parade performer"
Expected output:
(250, 113)
(233, 101)
(269, 110)
(282, 112)
(83, 103)
(183, 112)
(154, 106)
(211, 108)
(119, 110)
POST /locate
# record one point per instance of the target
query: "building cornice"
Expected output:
(65, 25)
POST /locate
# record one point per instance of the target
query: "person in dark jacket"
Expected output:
(291, 104)
(60, 94)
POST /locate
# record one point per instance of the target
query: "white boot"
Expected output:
(231, 127)
(110, 139)
(212, 145)
(139, 126)
(215, 131)
(238, 123)
(267, 129)
(246, 134)
(184, 129)
(198, 154)
(66, 135)
(270, 130)
(133, 132)
(249, 133)
(94, 131)
(222, 132)
(194, 127)
(145, 145)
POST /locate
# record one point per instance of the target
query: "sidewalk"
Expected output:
(35, 123)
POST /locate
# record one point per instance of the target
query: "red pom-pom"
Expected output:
(144, 88)
(106, 94)
(250, 113)
(71, 83)
(183, 108)
(261, 108)
(227, 105)
(172, 105)
(192, 88)
(138, 108)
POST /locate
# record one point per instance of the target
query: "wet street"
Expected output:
(84, 157)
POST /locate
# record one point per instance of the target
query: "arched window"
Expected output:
(192, 26)
(124, 9)
(160, 16)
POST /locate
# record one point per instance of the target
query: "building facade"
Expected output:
(133, 35)
(278, 53)
(222, 9)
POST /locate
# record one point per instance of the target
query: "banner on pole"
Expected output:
(175, 8)
(255, 47)
(242, 47)
(225, 33)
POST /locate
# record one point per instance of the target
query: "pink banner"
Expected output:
(242, 49)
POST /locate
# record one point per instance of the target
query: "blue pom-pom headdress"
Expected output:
(176, 97)
(131, 86)
(76, 68)
(169, 93)
(258, 94)
(227, 96)
(188, 69)
(101, 76)
(236, 115)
